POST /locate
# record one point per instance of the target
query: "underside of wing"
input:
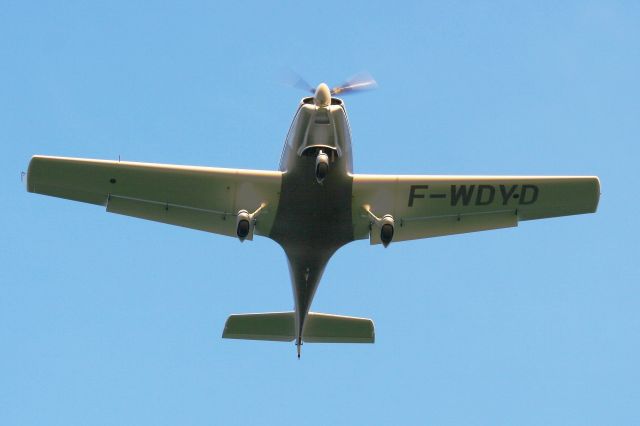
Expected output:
(202, 198)
(430, 206)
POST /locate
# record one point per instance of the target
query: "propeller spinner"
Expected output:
(322, 97)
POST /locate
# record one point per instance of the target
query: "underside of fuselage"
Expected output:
(314, 217)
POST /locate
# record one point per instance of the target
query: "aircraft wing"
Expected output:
(202, 198)
(431, 206)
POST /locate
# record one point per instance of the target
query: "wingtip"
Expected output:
(598, 192)
(27, 176)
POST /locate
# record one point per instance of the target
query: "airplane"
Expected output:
(311, 206)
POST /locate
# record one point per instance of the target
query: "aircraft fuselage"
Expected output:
(314, 218)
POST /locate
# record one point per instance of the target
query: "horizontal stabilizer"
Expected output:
(325, 328)
(280, 327)
(276, 326)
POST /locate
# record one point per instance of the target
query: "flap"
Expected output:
(173, 214)
(413, 228)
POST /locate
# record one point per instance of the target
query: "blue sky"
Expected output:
(111, 320)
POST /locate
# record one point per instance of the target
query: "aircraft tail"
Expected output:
(318, 328)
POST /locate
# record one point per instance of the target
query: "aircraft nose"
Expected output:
(322, 98)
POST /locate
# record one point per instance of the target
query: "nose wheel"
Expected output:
(322, 166)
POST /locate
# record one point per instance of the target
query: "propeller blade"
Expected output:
(359, 82)
(293, 79)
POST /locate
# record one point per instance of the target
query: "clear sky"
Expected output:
(110, 320)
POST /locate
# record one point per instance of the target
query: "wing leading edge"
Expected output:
(430, 206)
(202, 198)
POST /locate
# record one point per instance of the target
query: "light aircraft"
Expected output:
(313, 205)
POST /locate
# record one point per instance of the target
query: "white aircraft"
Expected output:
(313, 205)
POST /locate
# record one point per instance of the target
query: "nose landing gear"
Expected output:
(322, 166)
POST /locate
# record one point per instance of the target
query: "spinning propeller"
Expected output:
(357, 83)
